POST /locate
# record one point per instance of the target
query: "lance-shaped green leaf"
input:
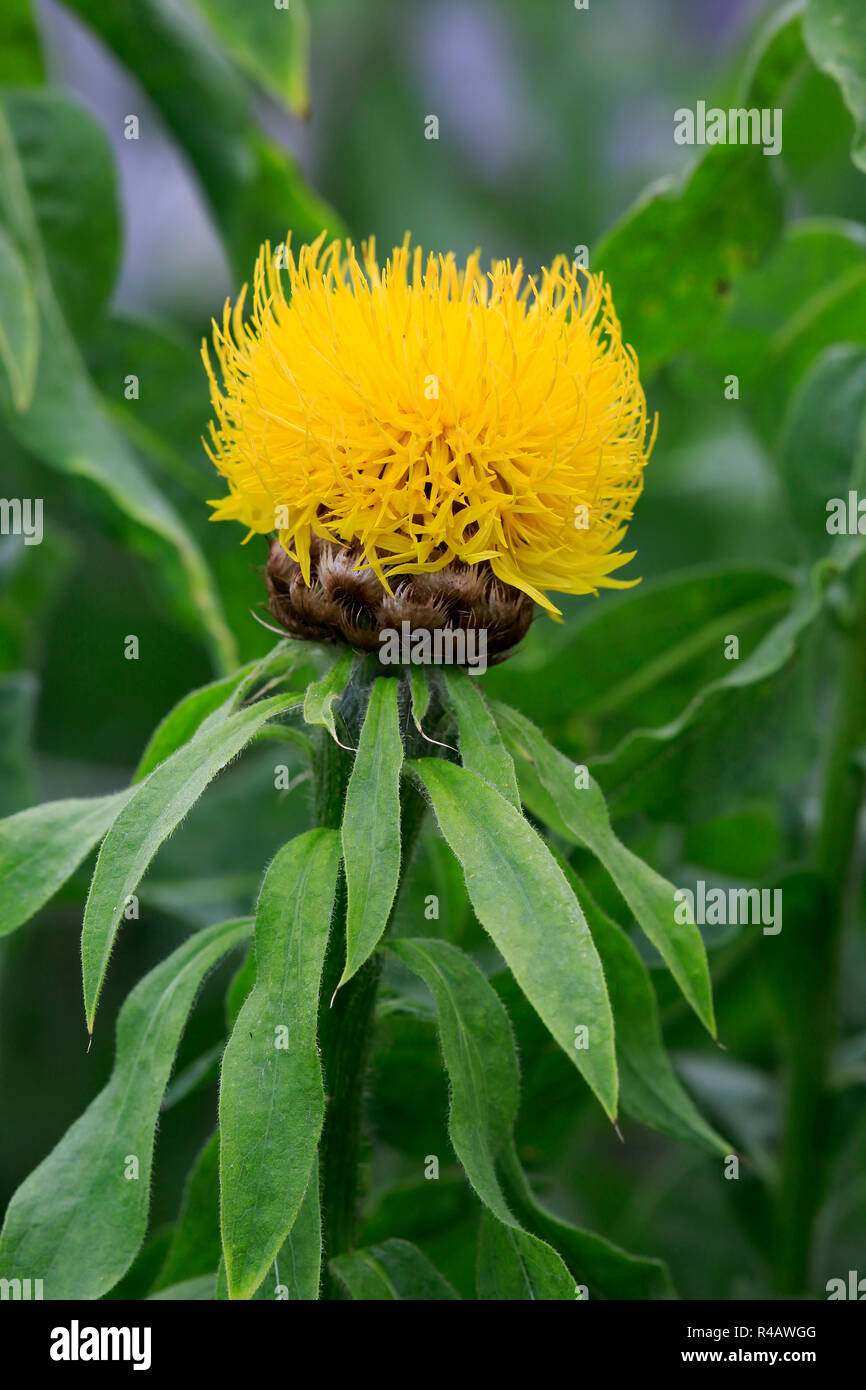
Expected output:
(77, 1221)
(481, 1062)
(19, 325)
(296, 1272)
(521, 898)
(512, 1266)
(156, 808)
(835, 34)
(396, 1269)
(272, 1100)
(42, 846)
(323, 694)
(481, 746)
(650, 1089)
(371, 826)
(582, 813)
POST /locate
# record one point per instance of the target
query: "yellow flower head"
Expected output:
(421, 414)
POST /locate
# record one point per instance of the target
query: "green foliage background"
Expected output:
(552, 123)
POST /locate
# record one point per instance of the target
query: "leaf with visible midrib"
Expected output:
(155, 809)
(394, 1270)
(371, 826)
(77, 1221)
(272, 1099)
(521, 898)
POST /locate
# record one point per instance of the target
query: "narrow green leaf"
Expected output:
(323, 694)
(42, 846)
(512, 1266)
(394, 1270)
(19, 325)
(371, 826)
(583, 814)
(77, 1221)
(156, 808)
(520, 896)
(272, 1100)
(296, 1273)
(481, 1062)
(649, 1087)
(481, 746)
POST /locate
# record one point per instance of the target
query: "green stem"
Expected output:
(346, 1024)
(802, 1166)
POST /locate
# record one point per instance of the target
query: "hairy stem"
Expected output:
(346, 1024)
(802, 1167)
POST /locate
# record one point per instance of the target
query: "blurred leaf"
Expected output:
(65, 425)
(68, 167)
(744, 843)
(18, 693)
(582, 812)
(606, 1269)
(513, 884)
(728, 740)
(82, 1242)
(270, 44)
(481, 747)
(255, 189)
(157, 806)
(371, 827)
(637, 660)
(32, 580)
(810, 294)
(19, 325)
(42, 846)
(824, 444)
(671, 260)
(835, 33)
(20, 51)
(393, 1270)
(272, 1100)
